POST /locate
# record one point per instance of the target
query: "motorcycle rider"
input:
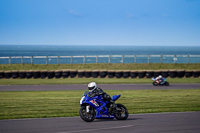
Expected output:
(96, 91)
(159, 79)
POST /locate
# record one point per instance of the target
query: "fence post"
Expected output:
(31, 60)
(83, 59)
(71, 59)
(134, 58)
(96, 59)
(58, 60)
(22, 62)
(109, 59)
(46, 60)
(9, 60)
(174, 59)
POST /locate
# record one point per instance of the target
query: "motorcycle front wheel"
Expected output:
(121, 112)
(87, 116)
(155, 83)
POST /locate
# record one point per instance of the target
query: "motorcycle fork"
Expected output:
(88, 108)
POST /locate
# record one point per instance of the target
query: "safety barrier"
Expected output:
(100, 59)
(35, 74)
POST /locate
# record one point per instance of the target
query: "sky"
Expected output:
(100, 22)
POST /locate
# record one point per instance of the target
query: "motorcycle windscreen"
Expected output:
(115, 97)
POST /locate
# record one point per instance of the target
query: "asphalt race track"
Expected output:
(103, 86)
(183, 122)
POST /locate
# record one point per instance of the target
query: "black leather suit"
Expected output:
(99, 91)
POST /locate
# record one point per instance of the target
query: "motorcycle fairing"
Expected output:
(100, 106)
(115, 97)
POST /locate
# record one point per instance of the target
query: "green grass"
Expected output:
(87, 80)
(42, 104)
(102, 66)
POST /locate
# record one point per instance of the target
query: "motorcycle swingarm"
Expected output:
(118, 111)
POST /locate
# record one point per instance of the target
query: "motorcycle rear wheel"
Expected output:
(88, 117)
(167, 83)
(122, 112)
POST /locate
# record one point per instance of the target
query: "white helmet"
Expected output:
(92, 86)
(160, 76)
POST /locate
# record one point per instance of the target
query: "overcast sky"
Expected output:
(100, 22)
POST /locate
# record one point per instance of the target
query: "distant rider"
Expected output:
(96, 91)
(159, 79)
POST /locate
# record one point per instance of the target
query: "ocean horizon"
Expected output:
(78, 50)
(88, 50)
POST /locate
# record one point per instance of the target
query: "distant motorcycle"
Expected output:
(95, 108)
(165, 82)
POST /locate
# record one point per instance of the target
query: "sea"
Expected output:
(69, 50)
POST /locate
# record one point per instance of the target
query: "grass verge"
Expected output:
(87, 80)
(42, 104)
(101, 66)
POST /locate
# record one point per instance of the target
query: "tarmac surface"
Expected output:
(180, 122)
(103, 86)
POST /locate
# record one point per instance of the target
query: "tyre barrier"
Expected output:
(8, 74)
(118, 74)
(73, 73)
(149, 74)
(15, 74)
(81, 73)
(36, 74)
(172, 74)
(157, 73)
(50, 74)
(133, 74)
(141, 74)
(29, 74)
(103, 73)
(88, 73)
(98, 74)
(58, 74)
(43, 74)
(1, 74)
(188, 73)
(165, 73)
(111, 74)
(22, 74)
(65, 73)
(126, 74)
(196, 73)
(180, 73)
(95, 74)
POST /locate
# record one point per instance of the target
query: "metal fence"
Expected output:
(100, 59)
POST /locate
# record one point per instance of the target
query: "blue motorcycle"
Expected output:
(95, 108)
